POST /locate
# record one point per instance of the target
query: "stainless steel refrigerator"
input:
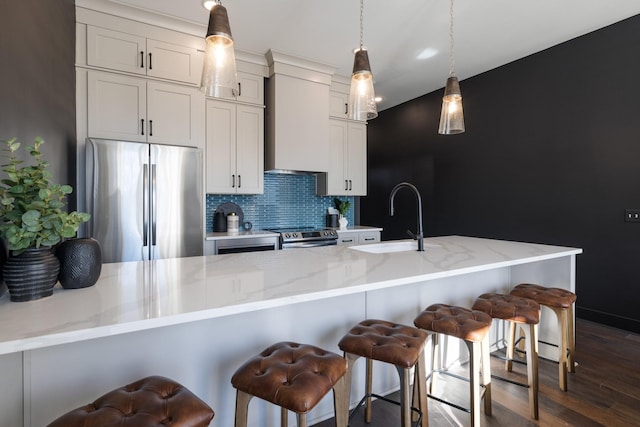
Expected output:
(145, 200)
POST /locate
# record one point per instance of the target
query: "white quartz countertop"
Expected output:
(142, 295)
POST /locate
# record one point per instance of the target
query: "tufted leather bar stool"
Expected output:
(521, 312)
(561, 302)
(295, 377)
(398, 345)
(471, 326)
(149, 402)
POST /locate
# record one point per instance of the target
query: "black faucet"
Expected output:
(419, 235)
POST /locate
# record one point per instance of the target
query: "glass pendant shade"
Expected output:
(219, 78)
(452, 115)
(362, 104)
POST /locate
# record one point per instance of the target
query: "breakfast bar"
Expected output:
(196, 319)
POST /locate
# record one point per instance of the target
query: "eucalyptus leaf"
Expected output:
(32, 208)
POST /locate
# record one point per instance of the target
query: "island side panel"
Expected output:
(12, 391)
(201, 355)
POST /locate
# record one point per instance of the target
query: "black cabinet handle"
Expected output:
(350, 185)
(346, 185)
(150, 63)
(150, 127)
(239, 89)
(346, 108)
(239, 181)
(233, 181)
(142, 126)
(141, 59)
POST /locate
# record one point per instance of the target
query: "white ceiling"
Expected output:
(488, 33)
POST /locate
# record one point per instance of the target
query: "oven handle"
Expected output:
(313, 244)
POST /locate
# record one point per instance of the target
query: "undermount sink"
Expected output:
(388, 247)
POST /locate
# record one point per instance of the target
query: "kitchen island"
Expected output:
(196, 319)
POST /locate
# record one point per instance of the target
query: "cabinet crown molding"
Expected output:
(295, 66)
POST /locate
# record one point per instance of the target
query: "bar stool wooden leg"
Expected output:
(341, 401)
(511, 339)
(242, 408)
(435, 361)
(475, 352)
(369, 389)
(562, 347)
(571, 338)
(421, 389)
(405, 396)
(531, 336)
(486, 375)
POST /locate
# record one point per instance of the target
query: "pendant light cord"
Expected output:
(361, 22)
(452, 60)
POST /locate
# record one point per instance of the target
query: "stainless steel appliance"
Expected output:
(305, 237)
(251, 244)
(145, 200)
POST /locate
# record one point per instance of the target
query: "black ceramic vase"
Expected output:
(80, 262)
(32, 274)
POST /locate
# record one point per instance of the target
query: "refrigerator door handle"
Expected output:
(145, 203)
(154, 205)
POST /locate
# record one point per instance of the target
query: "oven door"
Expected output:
(310, 244)
(255, 244)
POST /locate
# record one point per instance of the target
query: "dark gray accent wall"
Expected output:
(37, 80)
(551, 154)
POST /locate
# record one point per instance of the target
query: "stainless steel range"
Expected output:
(305, 237)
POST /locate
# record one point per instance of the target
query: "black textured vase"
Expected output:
(80, 262)
(32, 274)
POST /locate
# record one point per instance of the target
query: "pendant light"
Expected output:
(452, 115)
(219, 77)
(362, 104)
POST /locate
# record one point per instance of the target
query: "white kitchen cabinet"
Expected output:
(338, 104)
(131, 53)
(250, 88)
(358, 237)
(134, 109)
(347, 175)
(235, 148)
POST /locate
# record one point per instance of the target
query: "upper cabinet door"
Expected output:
(356, 159)
(116, 50)
(221, 147)
(250, 88)
(250, 149)
(338, 104)
(174, 62)
(120, 51)
(337, 178)
(116, 107)
(175, 114)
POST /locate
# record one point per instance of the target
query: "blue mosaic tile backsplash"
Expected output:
(288, 201)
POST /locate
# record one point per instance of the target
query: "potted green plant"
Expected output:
(343, 207)
(33, 221)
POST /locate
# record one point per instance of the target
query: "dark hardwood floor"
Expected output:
(604, 390)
